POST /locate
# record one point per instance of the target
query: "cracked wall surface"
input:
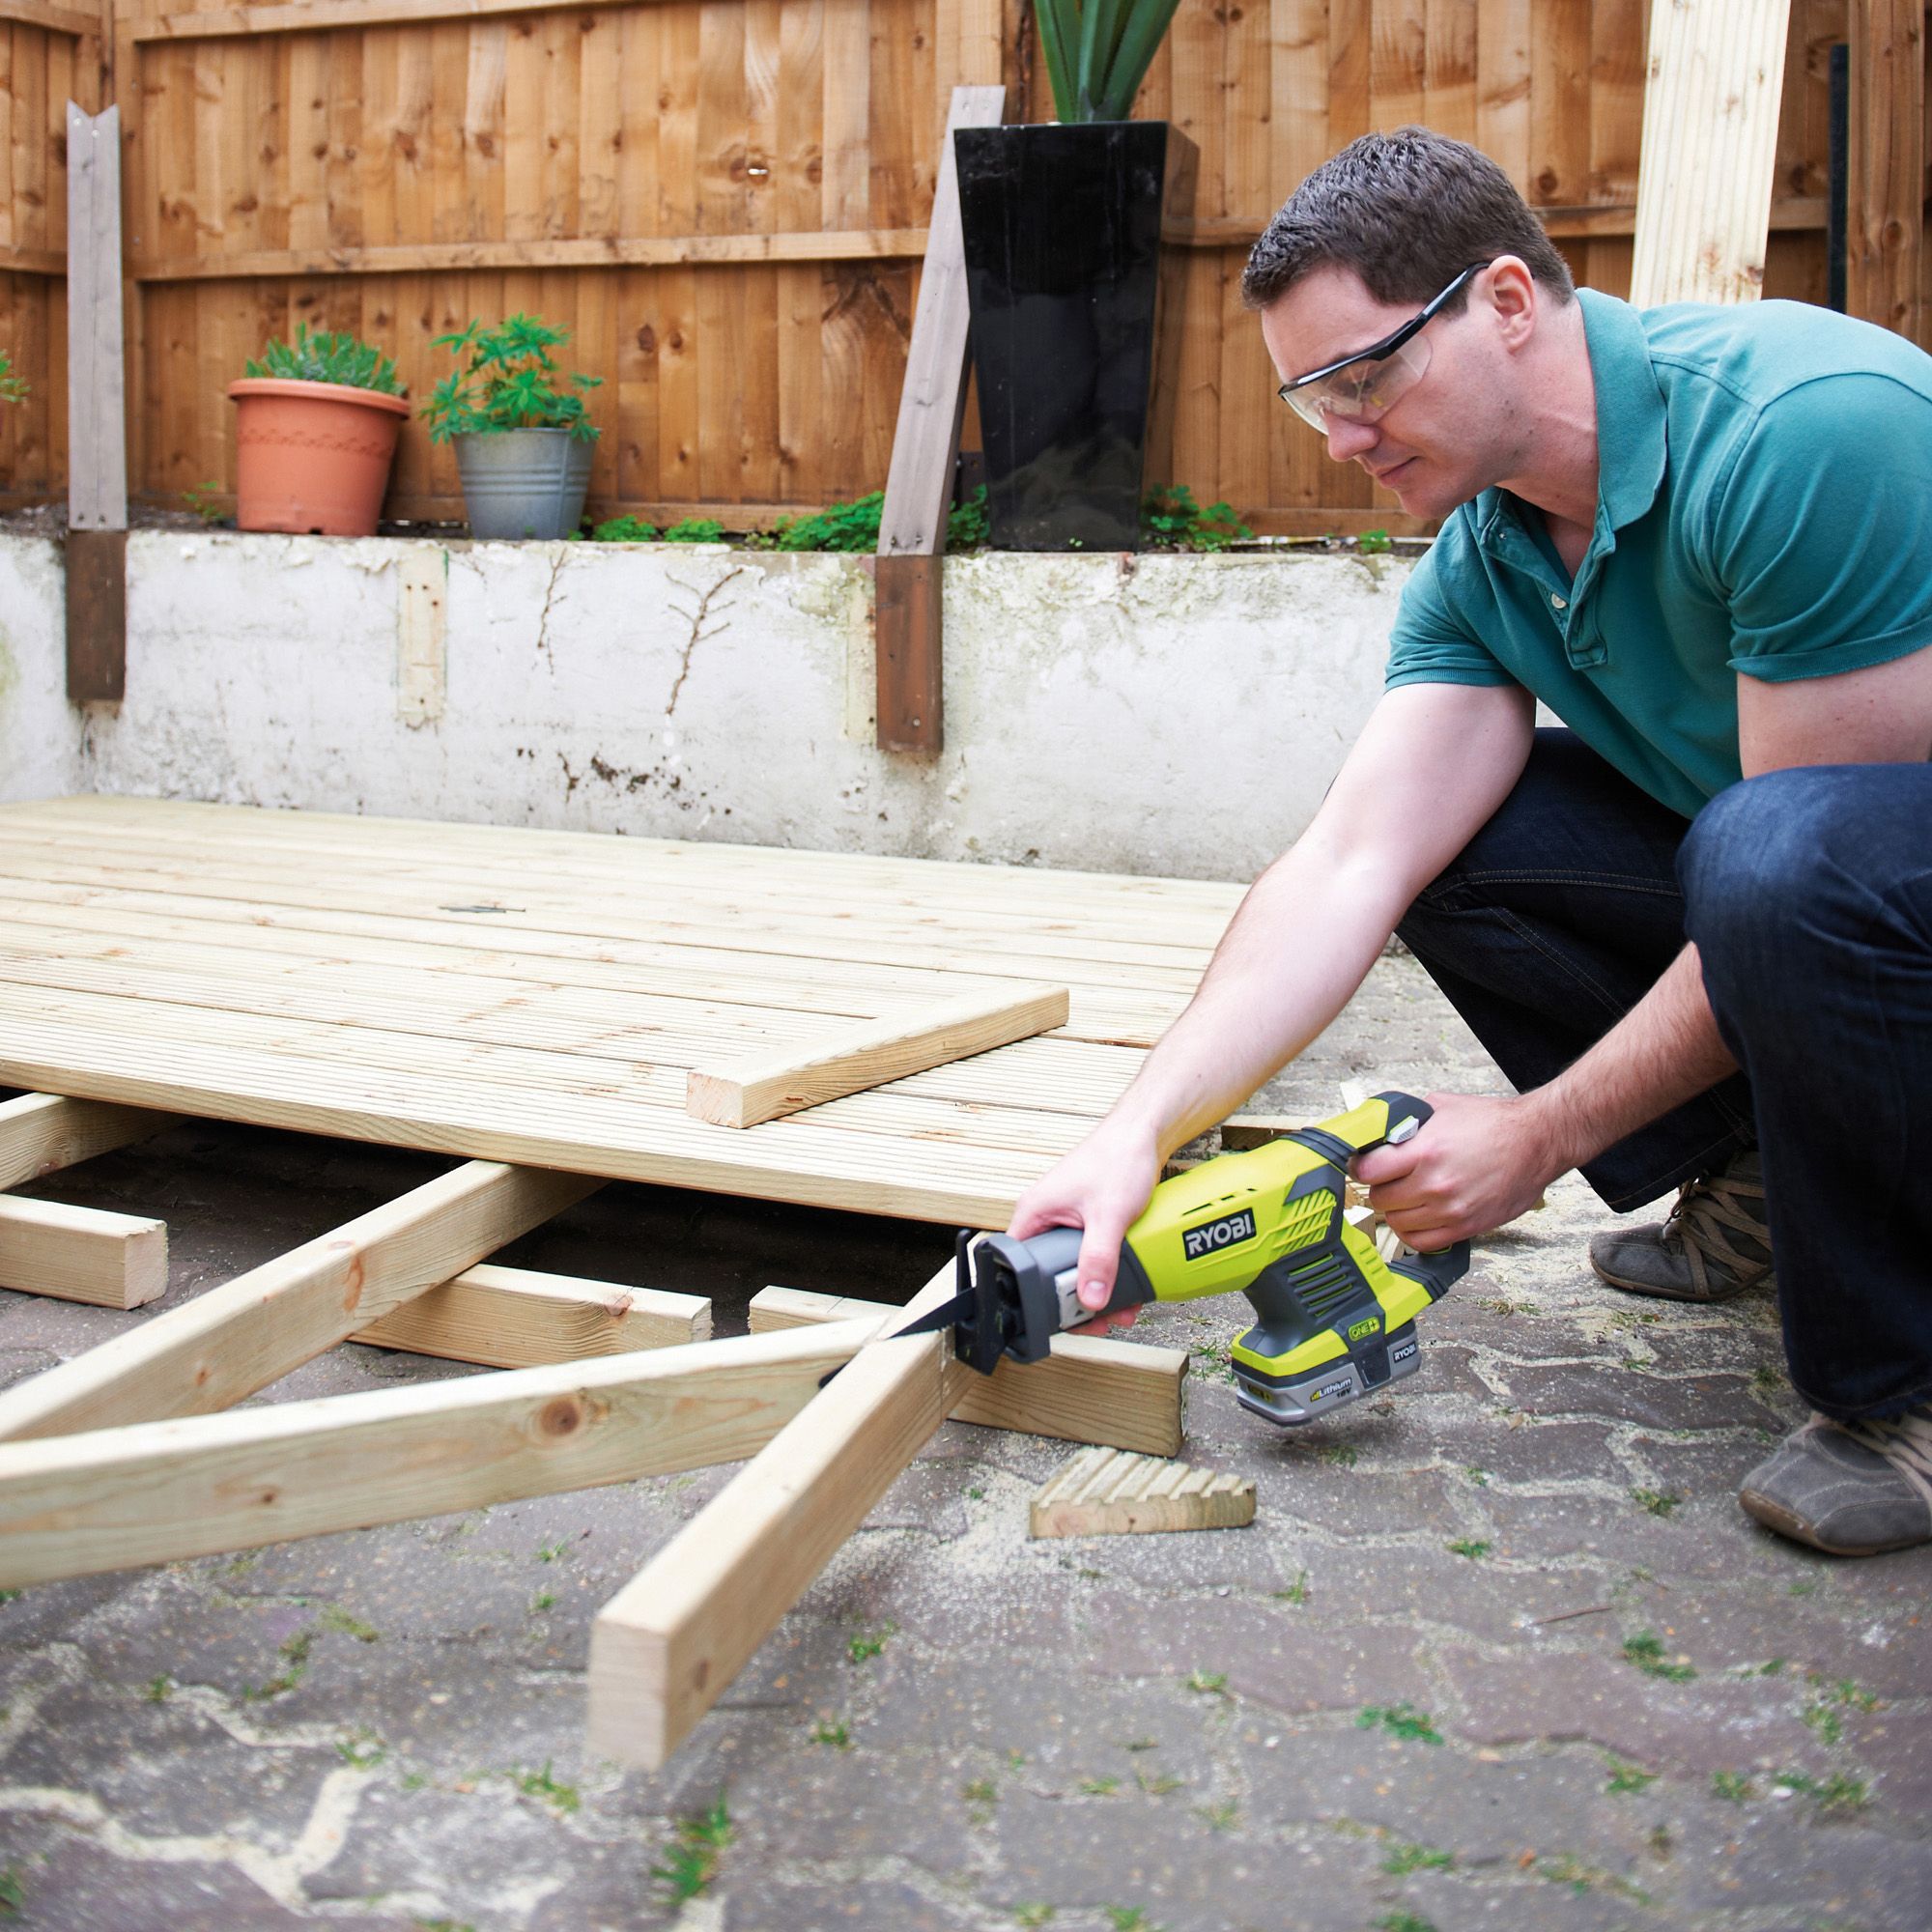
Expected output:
(1500, 1654)
(1098, 709)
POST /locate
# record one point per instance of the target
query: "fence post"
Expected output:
(96, 515)
(926, 444)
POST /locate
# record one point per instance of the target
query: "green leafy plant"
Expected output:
(320, 357)
(201, 500)
(625, 530)
(1098, 52)
(1470, 1547)
(1375, 543)
(690, 1862)
(12, 387)
(1174, 521)
(1659, 1502)
(508, 381)
(1626, 1780)
(854, 527)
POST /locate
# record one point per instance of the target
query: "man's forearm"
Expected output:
(1665, 1051)
(1302, 942)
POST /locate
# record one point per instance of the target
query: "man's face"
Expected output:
(1441, 442)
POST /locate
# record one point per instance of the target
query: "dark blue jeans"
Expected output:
(1809, 896)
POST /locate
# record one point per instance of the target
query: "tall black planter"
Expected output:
(1063, 273)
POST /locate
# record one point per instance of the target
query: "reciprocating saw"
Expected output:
(1334, 1321)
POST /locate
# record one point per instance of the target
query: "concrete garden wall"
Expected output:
(1169, 713)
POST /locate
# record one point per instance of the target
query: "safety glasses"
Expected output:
(1364, 387)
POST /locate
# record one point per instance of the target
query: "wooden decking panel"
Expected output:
(539, 996)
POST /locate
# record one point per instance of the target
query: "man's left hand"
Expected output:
(1478, 1164)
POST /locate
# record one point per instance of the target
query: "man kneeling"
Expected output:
(1693, 927)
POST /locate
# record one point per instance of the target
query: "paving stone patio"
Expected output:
(1501, 1651)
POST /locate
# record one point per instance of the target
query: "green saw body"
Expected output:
(1334, 1321)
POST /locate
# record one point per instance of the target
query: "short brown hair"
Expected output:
(1407, 212)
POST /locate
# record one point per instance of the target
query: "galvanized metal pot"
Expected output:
(524, 482)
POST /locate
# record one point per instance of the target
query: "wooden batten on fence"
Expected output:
(96, 542)
(926, 450)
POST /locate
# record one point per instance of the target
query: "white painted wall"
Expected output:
(40, 732)
(1167, 714)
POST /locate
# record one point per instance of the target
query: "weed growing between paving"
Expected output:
(1626, 1780)
(690, 1862)
(1645, 1652)
(13, 1892)
(1402, 1720)
(1405, 1858)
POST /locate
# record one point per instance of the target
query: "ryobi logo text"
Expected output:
(1212, 1235)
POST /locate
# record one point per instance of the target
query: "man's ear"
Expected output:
(1510, 290)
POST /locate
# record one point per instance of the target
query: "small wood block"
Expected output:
(508, 1318)
(82, 1254)
(1106, 1493)
(748, 1092)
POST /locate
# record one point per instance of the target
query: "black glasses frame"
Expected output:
(1389, 344)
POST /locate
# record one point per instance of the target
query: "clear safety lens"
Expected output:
(1364, 391)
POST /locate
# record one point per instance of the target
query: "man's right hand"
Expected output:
(1101, 1188)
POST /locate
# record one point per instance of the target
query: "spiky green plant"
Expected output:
(319, 356)
(509, 382)
(12, 387)
(1098, 52)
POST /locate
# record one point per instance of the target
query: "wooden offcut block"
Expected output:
(506, 1318)
(82, 1254)
(747, 1091)
(1105, 1493)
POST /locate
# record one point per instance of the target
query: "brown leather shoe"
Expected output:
(1713, 1245)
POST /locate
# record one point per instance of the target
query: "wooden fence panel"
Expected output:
(48, 55)
(726, 200)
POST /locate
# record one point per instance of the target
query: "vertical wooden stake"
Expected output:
(926, 444)
(96, 543)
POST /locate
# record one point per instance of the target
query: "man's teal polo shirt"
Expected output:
(1764, 505)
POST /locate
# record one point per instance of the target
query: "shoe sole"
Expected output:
(1776, 1516)
(1656, 1293)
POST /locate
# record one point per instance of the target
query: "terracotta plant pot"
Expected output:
(312, 457)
